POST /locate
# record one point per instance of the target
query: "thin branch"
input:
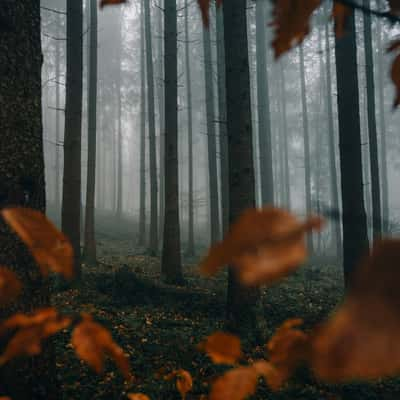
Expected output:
(53, 10)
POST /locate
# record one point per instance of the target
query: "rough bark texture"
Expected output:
(355, 239)
(22, 183)
(90, 239)
(71, 203)
(171, 266)
(242, 302)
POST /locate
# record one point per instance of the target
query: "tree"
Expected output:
(241, 301)
(90, 240)
(71, 202)
(264, 115)
(355, 238)
(22, 183)
(153, 244)
(118, 92)
(171, 266)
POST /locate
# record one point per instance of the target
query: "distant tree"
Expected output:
(90, 239)
(23, 184)
(171, 265)
(355, 238)
(118, 93)
(71, 203)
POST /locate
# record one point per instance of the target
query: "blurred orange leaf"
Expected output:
(204, 6)
(184, 381)
(264, 245)
(111, 2)
(361, 340)
(31, 330)
(395, 71)
(10, 286)
(138, 396)
(50, 247)
(394, 6)
(223, 348)
(340, 13)
(291, 22)
(93, 343)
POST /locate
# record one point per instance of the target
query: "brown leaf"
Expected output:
(31, 330)
(395, 74)
(10, 286)
(269, 372)
(222, 348)
(93, 343)
(104, 3)
(394, 6)
(138, 396)
(340, 13)
(287, 349)
(264, 245)
(184, 381)
(291, 23)
(361, 340)
(50, 247)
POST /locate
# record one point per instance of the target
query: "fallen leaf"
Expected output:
(50, 247)
(184, 381)
(93, 343)
(361, 340)
(264, 245)
(104, 3)
(10, 286)
(31, 330)
(138, 396)
(222, 348)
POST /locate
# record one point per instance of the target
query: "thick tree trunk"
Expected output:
(153, 243)
(264, 118)
(22, 184)
(90, 239)
(211, 138)
(242, 302)
(171, 266)
(355, 239)
(71, 204)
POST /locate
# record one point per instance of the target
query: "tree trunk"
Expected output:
(57, 122)
(264, 119)
(71, 203)
(22, 184)
(242, 301)
(119, 193)
(171, 267)
(90, 239)
(211, 137)
(355, 238)
(153, 244)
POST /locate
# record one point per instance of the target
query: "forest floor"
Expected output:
(160, 326)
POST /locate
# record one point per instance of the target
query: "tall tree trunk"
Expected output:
(223, 134)
(264, 119)
(373, 136)
(90, 239)
(71, 203)
(119, 193)
(190, 245)
(142, 155)
(57, 122)
(22, 184)
(306, 133)
(242, 301)
(211, 137)
(355, 238)
(382, 123)
(171, 266)
(153, 244)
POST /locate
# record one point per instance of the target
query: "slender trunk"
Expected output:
(153, 244)
(211, 137)
(264, 119)
(171, 266)
(190, 245)
(90, 240)
(71, 203)
(119, 164)
(355, 238)
(58, 110)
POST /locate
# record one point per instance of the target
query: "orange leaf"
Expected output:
(184, 381)
(223, 348)
(31, 331)
(394, 6)
(50, 248)
(10, 286)
(291, 23)
(111, 2)
(395, 74)
(138, 396)
(287, 349)
(361, 340)
(93, 343)
(340, 13)
(264, 245)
